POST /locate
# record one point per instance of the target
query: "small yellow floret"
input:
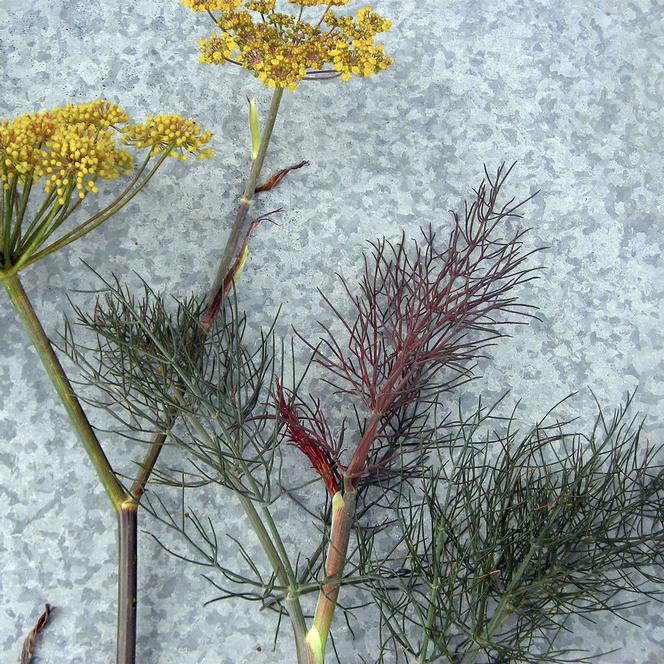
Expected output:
(217, 48)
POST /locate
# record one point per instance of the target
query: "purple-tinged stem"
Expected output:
(127, 582)
(343, 511)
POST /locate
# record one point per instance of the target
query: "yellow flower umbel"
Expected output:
(172, 133)
(283, 49)
(100, 114)
(68, 150)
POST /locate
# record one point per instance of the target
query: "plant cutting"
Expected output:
(51, 166)
(71, 148)
(472, 540)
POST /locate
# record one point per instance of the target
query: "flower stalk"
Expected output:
(238, 229)
(37, 335)
(221, 284)
(122, 502)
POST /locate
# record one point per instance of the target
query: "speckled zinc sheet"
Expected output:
(572, 90)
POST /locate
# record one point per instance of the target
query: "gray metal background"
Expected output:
(572, 90)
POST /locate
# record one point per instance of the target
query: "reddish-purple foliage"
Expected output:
(308, 431)
(421, 309)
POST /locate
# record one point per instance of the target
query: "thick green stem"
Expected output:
(40, 341)
(343, 511)
(127, 582)
(245, 202)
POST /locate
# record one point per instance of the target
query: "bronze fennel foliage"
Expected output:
(474, 542)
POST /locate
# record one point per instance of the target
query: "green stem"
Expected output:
(271, 525)
(147, 466)
(52, 223)
(247, 197)
(431, 615)
(124, 506)
(435, 584)
(39, 236)
(9, 195)
(99, 218)
(292, 601)
(138, 487)
(40, 341)
(279, 561)
(25, 195)
(26, 235)
(120, 197)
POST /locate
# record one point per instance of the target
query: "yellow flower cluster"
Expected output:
(212, 5)
(100, 113)
(283, 49)
(182, 137)
(20, 144)
(69, 147)
(315, 3)
(77, 155)
(73, 146)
